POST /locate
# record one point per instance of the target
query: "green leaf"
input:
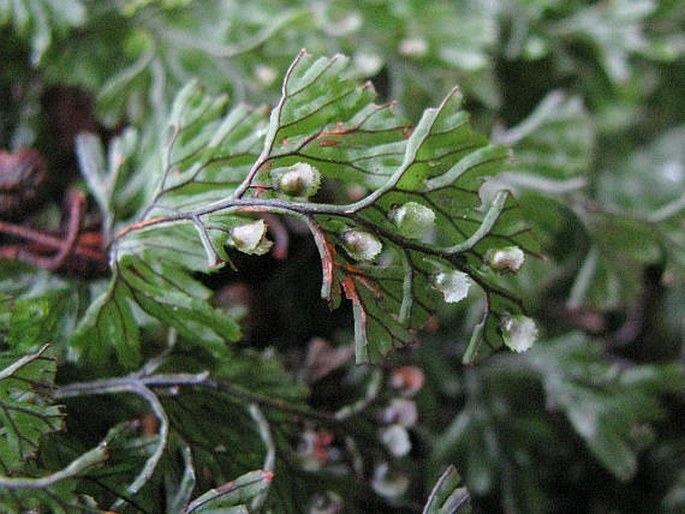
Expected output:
(27, 411)
(648, 187)
(328, 120)
(555, 142)
(443, 167)
(40, 21)
(109, 325)
(642, 224)
(207, 154)
(450, 43)
(496, 437)
(233, 496)
(41, 308)
(103, 176)
(154, 273)
(615, 29)
(610, 275)
(213, 176)
(603, 403)
(447, 497)
(498, 432)
(159, 48)
(58, 499)
(37, 320)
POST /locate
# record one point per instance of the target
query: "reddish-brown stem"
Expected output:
(139, 225)
(30, 235)
(37, 244)
(19, 252)
(76, 202)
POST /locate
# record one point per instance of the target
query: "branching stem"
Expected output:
(136, 384)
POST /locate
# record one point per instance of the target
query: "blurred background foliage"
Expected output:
(588, 95)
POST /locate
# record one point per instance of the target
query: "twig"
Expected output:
(143, 385)
(151, 463)
(134, 385)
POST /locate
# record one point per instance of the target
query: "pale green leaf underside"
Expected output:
(218, 172)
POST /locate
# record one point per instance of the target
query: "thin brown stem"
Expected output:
(76, 202)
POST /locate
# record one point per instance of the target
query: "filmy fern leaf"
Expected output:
(401, 221)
